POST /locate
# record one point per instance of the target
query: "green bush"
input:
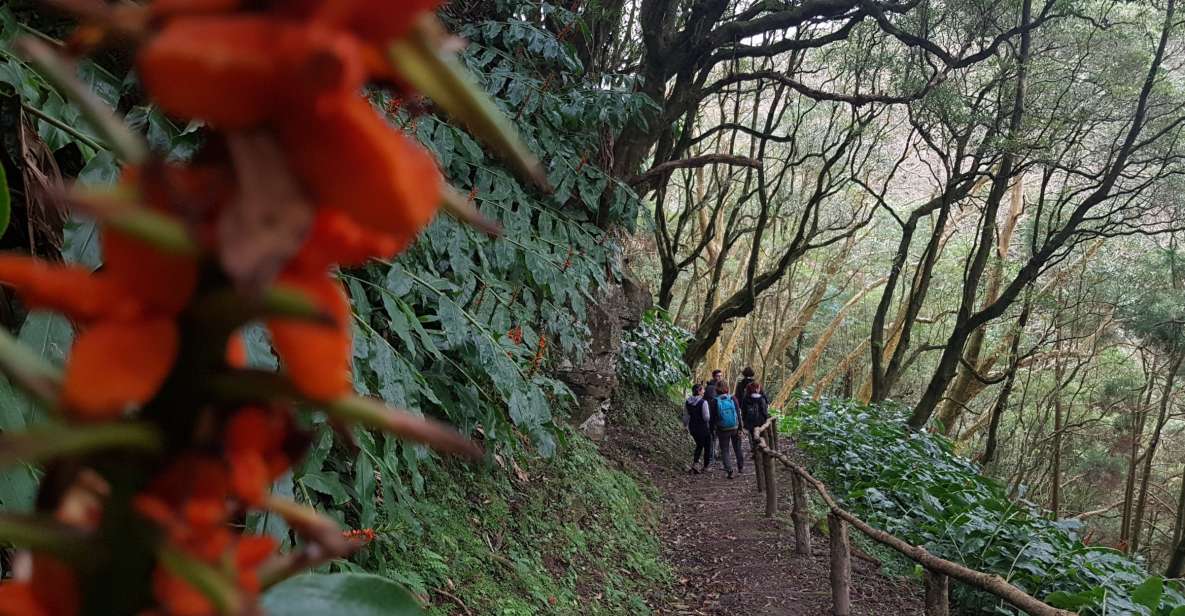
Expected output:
(652, 353)
(913, 486)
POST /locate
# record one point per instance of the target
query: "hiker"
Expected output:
(697, 416)
(754, 412)
(711, 390)
(743, 385)
(727, 421)
(712, 387)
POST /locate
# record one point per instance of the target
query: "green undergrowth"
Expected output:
(644, 427)
(913, 486)
(561, 535)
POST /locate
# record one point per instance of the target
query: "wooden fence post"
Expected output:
(841, 567)
(758, 462)
(771, 487)
(802, 523)
(937, 594)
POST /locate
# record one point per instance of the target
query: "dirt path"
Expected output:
(730, 559)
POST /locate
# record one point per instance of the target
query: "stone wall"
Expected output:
(593, 380)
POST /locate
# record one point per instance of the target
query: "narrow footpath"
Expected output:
(731, 559)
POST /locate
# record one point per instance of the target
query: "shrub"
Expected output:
(913, 486)
(652, 353)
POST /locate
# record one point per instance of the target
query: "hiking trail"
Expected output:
(730, 559)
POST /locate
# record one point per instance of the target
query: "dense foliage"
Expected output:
(464, 326)
(652, 353)
(564, 535)
(913, 486)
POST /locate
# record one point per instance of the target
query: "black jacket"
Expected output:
(696, 422)
(742, 387)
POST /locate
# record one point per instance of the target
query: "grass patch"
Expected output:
(561, 535)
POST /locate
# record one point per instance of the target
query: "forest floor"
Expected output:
(731, 559)
(728, 558)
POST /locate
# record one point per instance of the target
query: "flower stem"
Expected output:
(374, 414)
(47, 443)
(42, 534)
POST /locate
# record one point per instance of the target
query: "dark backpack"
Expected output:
(755, 410)
(727, 411)
(695, 413)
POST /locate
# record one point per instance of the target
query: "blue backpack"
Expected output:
(728, 412)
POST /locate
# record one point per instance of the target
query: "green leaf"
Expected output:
(49, 335)
(269, 523)
(259, 348)
(5, 202)
(326, 484)
(80, 243)
(344, 594)
(1148, 594)
(1180, 611)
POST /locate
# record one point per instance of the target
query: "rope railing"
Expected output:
(938, 570)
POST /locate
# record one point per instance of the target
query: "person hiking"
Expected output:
(712, 386)
(727, 421)
(754, 412)
(711, 390)
(697, 416)
(742, 385)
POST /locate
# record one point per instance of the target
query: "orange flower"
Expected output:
(178, 597)
(51, 591)
(116, 364)
(250, 553)
(193, 63)
(316, 356)
(160, 281)
(124, 355)
(393, 184)
(254, 442)
(236, 351)
(19, 599)
(336, 239)
(71, 290)
(362, 535)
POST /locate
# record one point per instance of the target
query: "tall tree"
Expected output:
(1077, 211)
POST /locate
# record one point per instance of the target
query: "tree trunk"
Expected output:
(997, 412)
(1055, 489)
(966, 386)
(1176, 568)
(1150, 452)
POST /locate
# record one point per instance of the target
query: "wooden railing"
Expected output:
(938, 570)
